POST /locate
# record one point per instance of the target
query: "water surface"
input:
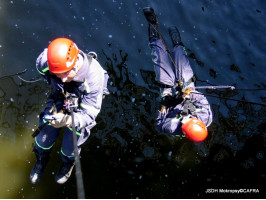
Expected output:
(125, 157)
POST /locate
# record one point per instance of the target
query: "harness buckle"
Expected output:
(71, 101)
(186, 92)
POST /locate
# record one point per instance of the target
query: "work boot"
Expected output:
(153, 23)
(175, 35)
(41, 162)
(150, 15)
(64, 172)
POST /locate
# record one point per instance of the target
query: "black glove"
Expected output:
(167, 101)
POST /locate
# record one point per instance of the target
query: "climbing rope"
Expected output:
(79, 179)
(216, 87)
(227, 98)
(18, 75)
(26, 81)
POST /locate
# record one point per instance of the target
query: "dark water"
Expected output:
(125, 157)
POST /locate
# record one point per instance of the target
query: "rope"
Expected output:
(252, 89)
(16, 74)
(212, 86)
(26, 81)
(216, 87)
(243, 101)
(79, 179)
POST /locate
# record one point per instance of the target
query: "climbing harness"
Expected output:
(71, 101)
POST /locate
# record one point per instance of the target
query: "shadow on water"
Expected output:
(125, 157)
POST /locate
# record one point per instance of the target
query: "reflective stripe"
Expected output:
(180, 135)
(43, 147)
(185, 51)
(65, 154)
(43, 71)
(77, 133)
(39, 70)
(46, 121)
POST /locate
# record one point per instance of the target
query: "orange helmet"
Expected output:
(62, 55)
(195, 130)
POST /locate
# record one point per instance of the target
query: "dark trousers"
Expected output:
(45, 140)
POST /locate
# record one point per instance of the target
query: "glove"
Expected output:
(163, 109)
(61, 120)
(166, 101)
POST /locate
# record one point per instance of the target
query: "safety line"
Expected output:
(16, 74)
(79, 179)
(243, 101)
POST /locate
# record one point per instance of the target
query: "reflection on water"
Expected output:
(20, 106)
(125, 157)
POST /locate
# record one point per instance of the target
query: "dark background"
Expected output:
(125, 157)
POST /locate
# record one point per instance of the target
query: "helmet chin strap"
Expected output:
(64, 79)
